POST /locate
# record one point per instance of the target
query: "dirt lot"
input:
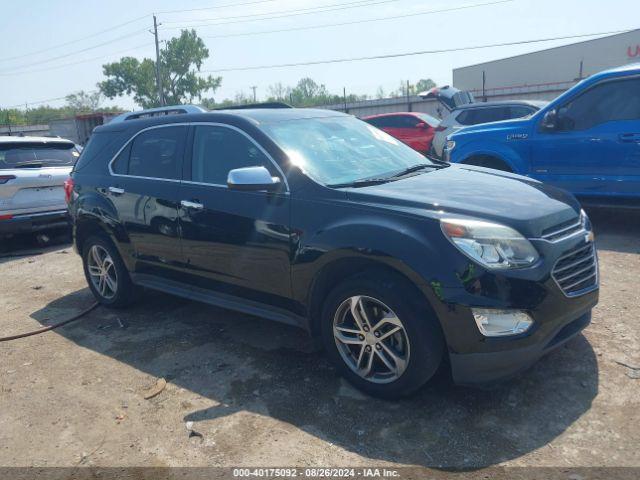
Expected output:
(259, 396)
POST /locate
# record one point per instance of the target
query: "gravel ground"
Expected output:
(258, 395)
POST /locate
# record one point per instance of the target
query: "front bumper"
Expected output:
(34, 222)
(487, 367)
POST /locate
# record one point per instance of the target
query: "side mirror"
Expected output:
(550, 120)
(421, 126)
(252, 179)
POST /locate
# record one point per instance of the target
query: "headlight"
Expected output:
(451, 144)
(490, 244)
(584, 220)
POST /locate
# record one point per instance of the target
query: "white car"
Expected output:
(33, 171)
(463, 110)
(476, 113)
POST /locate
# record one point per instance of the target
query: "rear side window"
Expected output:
(37, 154)
(155, 153)
(217, 150)
(519, 111)
(476, 116)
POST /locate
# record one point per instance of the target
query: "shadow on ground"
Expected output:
(250, 364)
(616, 230)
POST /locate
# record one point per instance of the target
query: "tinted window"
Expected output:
(476, 116)
(157, 153)
(519, 111)
(395, 121)
(37, 154)
(610, 101)
(216, 150)
(121, 163)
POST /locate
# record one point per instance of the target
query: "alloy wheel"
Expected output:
(371, 339)
(102, 272)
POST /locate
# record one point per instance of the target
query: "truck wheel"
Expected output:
(382, 340)
(106, 274)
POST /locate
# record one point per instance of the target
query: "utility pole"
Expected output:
(344, 98)
(158, 77)
(254, 93)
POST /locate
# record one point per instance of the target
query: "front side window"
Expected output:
(217, 150)
(336, 150)
(609, 101)
(156, 153)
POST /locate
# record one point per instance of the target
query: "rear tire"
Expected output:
(106, 273)
(399, 350)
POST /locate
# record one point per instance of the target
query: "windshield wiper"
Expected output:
(365, 182)
(417, 168)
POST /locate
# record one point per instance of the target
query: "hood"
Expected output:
(515, 125)
(527, 205)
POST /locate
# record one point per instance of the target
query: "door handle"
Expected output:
(629, 137)
(116, 190)
(190, 204)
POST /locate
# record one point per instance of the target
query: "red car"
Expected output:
(413, 128)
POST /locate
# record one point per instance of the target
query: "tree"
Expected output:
(380, 93)
(83, 102)
(424, 84)
(180, 62)
(278, 92)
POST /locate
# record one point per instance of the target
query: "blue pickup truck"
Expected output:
(586, 141)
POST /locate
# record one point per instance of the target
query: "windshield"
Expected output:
(338, 150)
(37, 155)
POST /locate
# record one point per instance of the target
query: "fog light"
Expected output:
(500, 323)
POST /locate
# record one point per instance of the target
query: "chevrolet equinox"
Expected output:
(396, 263)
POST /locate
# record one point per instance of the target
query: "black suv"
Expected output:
(317, 219)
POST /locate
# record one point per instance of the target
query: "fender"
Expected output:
(491, 148)
(396, 242)
(93, 209)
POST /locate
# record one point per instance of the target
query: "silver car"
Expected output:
(32, 175)
(476, 113)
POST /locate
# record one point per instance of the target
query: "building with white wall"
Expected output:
(544, 74)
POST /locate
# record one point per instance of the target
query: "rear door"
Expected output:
(234, 241)
(144, 189)
(595, 149)
(32, 175)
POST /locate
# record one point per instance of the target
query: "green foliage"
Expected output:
(180, 62)
(77, 103)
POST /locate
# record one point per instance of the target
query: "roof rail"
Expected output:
(159, 112)
(256, 105)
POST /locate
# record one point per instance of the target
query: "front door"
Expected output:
(144, 190)
(237, 242)
(595, 149)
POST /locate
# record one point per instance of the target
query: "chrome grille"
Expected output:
(576, 272)
(563, 230)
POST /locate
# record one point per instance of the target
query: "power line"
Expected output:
(408, 54)
(355, 22)
(129, 22)
(40, 102)
(86, 49)
(215, 7)
(285, 13)
(53, 47)
(64, 65)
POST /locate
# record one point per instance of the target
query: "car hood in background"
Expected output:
(527, 205)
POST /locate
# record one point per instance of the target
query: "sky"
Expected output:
(45, 52)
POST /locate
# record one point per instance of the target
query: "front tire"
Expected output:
(106, 274)
(381, 335)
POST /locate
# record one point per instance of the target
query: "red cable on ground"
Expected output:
(50, 327)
